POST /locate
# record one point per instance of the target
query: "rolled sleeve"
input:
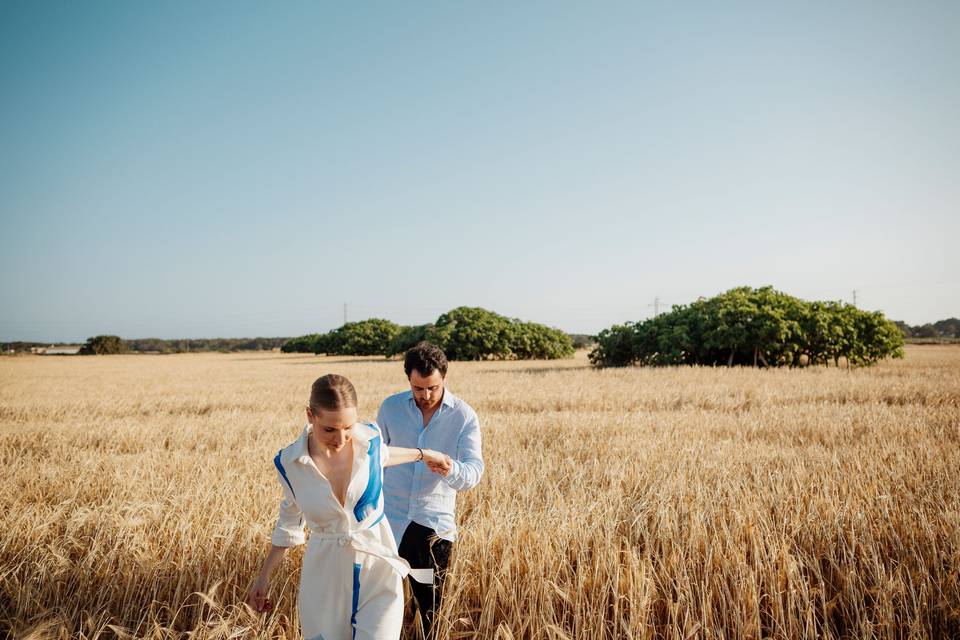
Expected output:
(467, 468)
(289, 530)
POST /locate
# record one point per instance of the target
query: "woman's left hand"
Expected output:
(437, 462)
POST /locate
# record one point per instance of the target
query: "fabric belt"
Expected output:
(361, 542)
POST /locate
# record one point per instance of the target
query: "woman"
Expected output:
(351, 581)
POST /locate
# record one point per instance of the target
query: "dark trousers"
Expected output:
(424, 550)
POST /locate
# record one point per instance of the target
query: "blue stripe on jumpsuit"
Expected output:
(356, 598)
(371, 495)
(283, 472)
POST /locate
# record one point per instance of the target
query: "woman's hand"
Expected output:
(437, 462)
(257, 598)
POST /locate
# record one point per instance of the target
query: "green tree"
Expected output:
(365, 338)
(410, 336)
(615, 346)
(533, 341)
(472, 333)
(757, 327)
(949, 328)
(926, 331)
(301, 344)
(101, 345)
(583, 340)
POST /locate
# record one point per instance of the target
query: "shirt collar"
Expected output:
(448, 398)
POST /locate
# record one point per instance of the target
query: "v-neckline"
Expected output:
(346, 491)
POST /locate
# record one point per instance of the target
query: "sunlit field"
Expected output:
(138, 494)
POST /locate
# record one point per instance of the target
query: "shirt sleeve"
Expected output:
(385, 448)
(288, 531)
(468, 466)
(382, 423)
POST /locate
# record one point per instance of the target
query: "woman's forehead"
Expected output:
(339, 418)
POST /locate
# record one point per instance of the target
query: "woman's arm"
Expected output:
(257, 597)
(434, 459)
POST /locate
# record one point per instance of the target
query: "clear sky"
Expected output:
(205, 169)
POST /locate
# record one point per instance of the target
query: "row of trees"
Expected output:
(110, 344)
(949, 328)
(758, 327)
(159, 345)
(464, 333)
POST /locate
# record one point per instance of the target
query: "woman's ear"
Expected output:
(309, 414)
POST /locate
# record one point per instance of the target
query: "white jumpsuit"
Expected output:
(351, 584)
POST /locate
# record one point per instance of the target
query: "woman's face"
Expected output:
(333, 428)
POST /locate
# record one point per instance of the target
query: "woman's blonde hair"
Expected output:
(332, 392)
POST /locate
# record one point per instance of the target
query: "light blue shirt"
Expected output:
(413, 493)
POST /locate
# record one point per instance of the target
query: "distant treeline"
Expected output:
(949, 328)
(114, 344)
(500, 337)
(20, 346)
(204, 344)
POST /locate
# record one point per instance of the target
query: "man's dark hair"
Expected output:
(425, 358)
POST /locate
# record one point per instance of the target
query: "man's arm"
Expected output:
(467, 468)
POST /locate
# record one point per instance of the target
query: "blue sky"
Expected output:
(238, 169)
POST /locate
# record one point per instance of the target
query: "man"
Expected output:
(419, 504)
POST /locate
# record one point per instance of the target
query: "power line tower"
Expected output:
(656, 306)
(854, 297)
(344, 313)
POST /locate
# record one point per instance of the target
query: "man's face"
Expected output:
(427, 390)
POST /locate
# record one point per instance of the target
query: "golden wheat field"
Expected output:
(139, 493)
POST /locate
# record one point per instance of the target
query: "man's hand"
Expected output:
(437, 462)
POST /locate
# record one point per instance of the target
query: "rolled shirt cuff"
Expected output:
(286, 538)
(456, 468)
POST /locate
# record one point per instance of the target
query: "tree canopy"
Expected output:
(758, 327)
(102, 345)
(365, 338)
(464, 333)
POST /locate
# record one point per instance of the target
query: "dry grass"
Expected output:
(138, 495)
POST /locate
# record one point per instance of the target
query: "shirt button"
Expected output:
(342, 542)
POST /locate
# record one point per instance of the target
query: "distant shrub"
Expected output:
(365, 338)
(532, 341)
(302, 344)
(103, 345)
(582, 340)
(472, 333)
(755, 327)
(464, 333)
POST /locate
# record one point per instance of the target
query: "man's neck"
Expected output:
(428, 413)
